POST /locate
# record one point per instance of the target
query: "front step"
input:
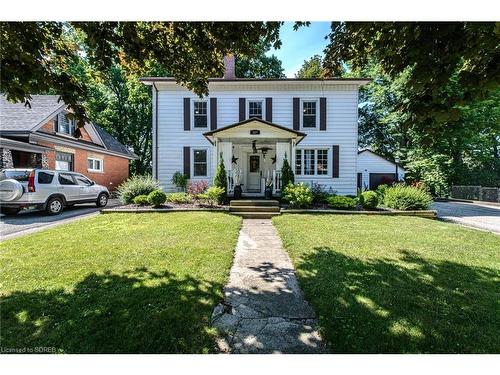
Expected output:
(254, 202)
(255, 215)
(254, 208)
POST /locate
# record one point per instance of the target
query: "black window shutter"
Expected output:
(296, 113)
(56, 124)
(335, 162)
(187, 161)
(242, 109)
(213, 113)
(187, 114)
(322, 113)
(269, 109)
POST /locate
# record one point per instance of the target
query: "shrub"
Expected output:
(319, 194)
(407, 198)
(213, 195)
(196, 188)
(220, 179)
(341, 203)
(134, 186)
(141, 200)
(287, 176)
(156, 198)
(179, 198)
(381, 191)
(180, 180)
(368, 200)
(299, 196)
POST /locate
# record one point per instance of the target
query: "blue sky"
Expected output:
(300, 45)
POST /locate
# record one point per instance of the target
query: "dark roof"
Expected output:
(111, 143)
(172, 79)
(18, 117)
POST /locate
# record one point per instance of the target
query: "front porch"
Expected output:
(253, 152)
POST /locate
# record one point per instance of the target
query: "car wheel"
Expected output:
(102, 200)
(54, 206)
(10, 211)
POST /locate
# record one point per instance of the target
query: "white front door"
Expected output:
(254, 173)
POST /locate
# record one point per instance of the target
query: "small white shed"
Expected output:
(374, 170)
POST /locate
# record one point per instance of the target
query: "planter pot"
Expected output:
(237, 192)
(268, 193)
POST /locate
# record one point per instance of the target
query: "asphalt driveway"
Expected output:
(475, 215)
(32, 221)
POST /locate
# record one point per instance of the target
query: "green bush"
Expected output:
(319, 193)
(299, 195)
(134, 186)
(141, 200)
(368, 200)
(157, 198)
(287, 176)
(381, 191)
(220, 179)
(407, 198)
(180, 180)
(341, 203)
(179, 198)
(213, 195)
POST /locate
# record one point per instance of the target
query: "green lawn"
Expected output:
(383, 284)
(117, 283)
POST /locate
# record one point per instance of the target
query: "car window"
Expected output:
(66, 179)
(45, 178)
(21, 176)
(82, 180)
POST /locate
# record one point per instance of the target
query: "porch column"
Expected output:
(6, 160)
(281, 149)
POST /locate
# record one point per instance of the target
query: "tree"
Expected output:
(312, 68)
(260, 66)
(287, 176)
(220, 178)
(433, 53)
(35, 56)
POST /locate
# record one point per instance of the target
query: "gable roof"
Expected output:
(20, 117)
(379, 156)
(111, 143)
(296, 133)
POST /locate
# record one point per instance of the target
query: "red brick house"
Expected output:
(43, 137)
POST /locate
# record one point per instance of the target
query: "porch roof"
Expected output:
(22, 146)
(270, 129)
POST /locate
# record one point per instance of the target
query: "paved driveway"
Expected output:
(471, 214)
(33, 221)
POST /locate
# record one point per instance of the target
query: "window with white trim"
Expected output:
(309, 113)
(255, 109)
(311, 162)
(64, 125)
(200, 166)
(200, 114)
(95, 165)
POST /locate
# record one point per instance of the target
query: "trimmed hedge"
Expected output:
(368, 200)
(156, 198)
(141, 200)
(341, 203)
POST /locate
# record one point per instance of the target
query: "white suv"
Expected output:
(47, 190)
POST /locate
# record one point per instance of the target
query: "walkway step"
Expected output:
(264, 310)
(254, 215)
(254, 208)
(254, 202)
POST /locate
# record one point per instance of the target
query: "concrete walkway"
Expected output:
(264, 310)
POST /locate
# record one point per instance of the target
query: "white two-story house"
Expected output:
(254, 124)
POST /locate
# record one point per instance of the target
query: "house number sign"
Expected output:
(254, 132)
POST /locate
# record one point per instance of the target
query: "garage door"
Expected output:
(377, 179)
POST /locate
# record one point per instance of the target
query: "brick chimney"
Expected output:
(229, 67)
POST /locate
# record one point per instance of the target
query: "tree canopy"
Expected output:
(259, 66)
(312, 68)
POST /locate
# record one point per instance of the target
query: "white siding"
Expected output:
(368, 162)
(342, 109)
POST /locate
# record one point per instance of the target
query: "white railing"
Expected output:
(230, 182)
(276, 181)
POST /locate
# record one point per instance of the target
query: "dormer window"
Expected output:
(200, 114)
(64, 125)
(255, 109)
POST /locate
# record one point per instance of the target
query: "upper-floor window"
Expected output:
(255, 109)
(311, 162)
(309, 113)
(200, 114)
(64, 125)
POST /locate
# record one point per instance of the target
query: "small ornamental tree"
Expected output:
(287, 176)
(220, 179)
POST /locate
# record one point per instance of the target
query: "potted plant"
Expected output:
(268, 192)
(237, 183)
